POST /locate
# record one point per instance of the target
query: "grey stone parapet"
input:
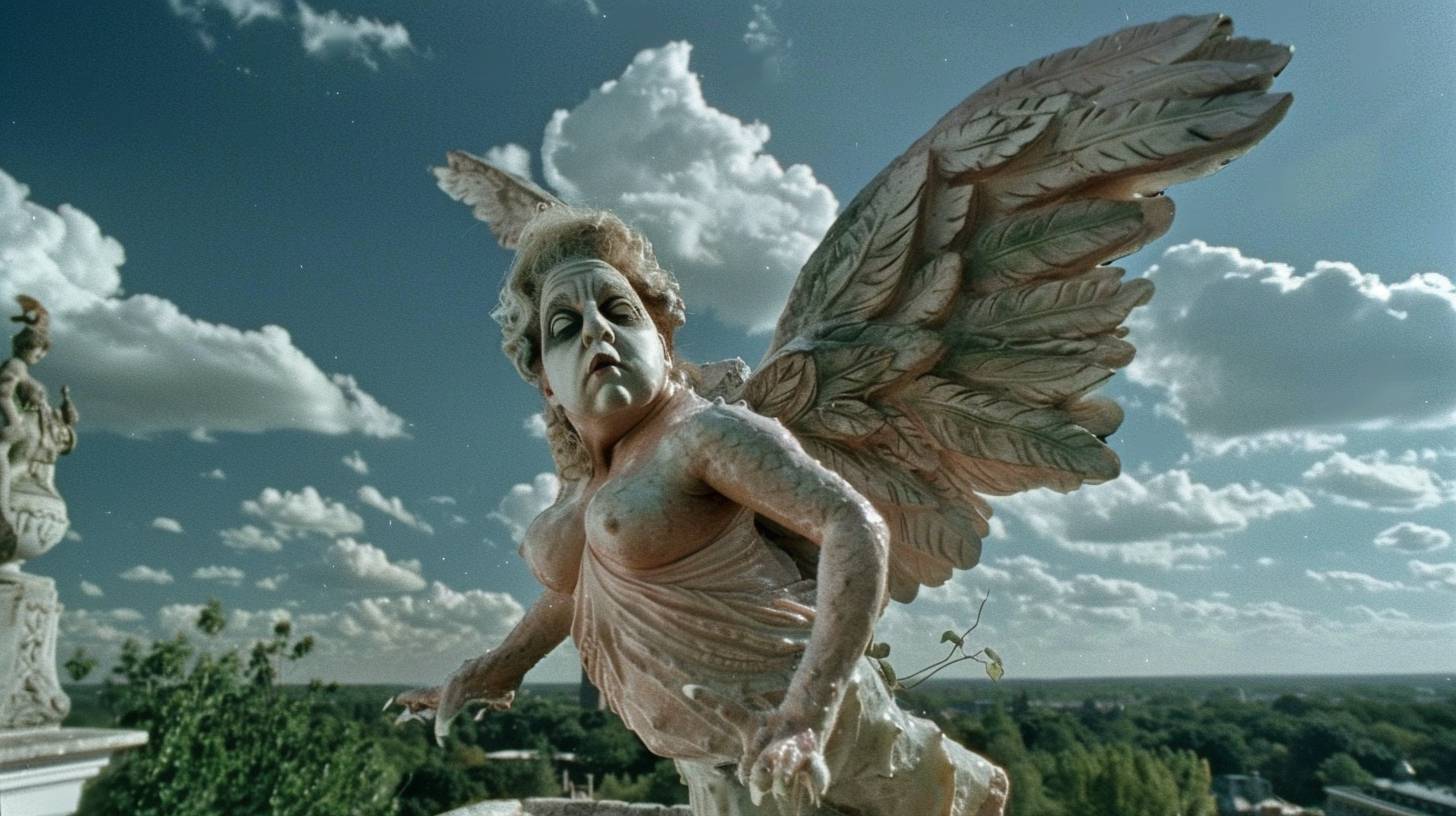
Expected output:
(567, 807)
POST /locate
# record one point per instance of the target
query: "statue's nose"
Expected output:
(596, 327)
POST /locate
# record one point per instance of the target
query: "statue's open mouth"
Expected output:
(602, 362)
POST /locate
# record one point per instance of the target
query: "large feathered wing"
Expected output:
(497, 196)
(941, 343)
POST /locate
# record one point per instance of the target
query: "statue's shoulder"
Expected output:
(716, 425)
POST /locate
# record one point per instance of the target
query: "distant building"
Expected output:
(1240, 795)
(1385, 797)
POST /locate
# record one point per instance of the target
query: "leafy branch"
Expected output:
(986, 656)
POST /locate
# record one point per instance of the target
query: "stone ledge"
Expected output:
(567, 807)
(38, 746)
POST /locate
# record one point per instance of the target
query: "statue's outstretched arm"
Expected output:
(755, 462)
(494, 677)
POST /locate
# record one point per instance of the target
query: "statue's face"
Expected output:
(33, 355)
(600, 350)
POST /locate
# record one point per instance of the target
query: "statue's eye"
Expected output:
(621, 310)
(561, 324)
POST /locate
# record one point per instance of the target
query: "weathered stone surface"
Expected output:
(568, 807)
(42, 769)
(30, 692)
(938, 347)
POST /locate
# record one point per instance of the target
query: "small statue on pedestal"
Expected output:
(33, 435)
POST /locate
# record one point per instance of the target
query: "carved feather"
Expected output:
(498, 197)
(943, 342)
(1056, 240)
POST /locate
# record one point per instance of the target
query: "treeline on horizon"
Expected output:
(227, 738)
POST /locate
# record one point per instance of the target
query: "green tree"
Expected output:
(1341, 769)
(224, 740)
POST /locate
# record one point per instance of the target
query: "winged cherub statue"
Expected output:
(723, 543)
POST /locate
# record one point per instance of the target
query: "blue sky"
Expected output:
(226, 205)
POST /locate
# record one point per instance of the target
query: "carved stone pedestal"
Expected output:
(30, 693)
(42, 769)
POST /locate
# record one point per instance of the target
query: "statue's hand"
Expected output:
(783, 751)
(473, 682)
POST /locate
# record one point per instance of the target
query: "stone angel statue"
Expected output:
(33, 435)
(724, 541)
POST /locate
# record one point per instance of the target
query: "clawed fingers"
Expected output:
(793, 771)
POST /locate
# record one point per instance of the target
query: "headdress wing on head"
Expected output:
(498, 197)
(940, 344)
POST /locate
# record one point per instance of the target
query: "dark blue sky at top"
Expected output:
(253, 184)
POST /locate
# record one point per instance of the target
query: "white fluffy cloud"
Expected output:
(356, 463)
(1134, 521)
(1376, 480)
(249, 537)
(303, 512)
(524, 502)
(325, 34)
(242, 12)
(367, 565)
(535, 425)
(119, 352)
(448, 624)
(1346, 579)
(167, 525)
(1243, 347)
(329, 33)
(393, 507)
(216, 474)
(726, 217)
(147, 575)
(271, 583)
(91, 590)
(223, 575)
(1434, 575)
(1409, 537)
(511, 157)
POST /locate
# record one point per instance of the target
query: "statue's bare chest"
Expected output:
(654, 512)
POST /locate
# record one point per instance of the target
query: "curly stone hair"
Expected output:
(560, 234)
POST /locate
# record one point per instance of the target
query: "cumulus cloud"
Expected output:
(1269, 442)
(325, 34)
(303, 512)
(224, 575)
(1134, 521)
(241, 12)
(90, 590)
(118, 352)
(271, 583)
(329, 34)
(535, 425)
(1302, 340)
(216, 474)
(367, 565)
(764, 37)
(249, 537)
(167, 525)
(356, 463)
(444, 624)
(511, 157)
(1436, 576)
(726, 217)
(1353, 580)
(1409, 537)
(393, 507)
(524, 502)
(147, 575)
(1375, 480)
